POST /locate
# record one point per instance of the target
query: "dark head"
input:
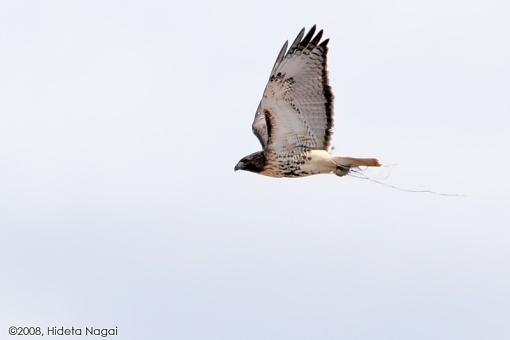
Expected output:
(254, 162)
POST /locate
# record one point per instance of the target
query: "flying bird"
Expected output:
(294, 120)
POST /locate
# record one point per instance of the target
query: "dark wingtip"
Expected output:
(296, 41)
(324, 43)
(307, 38)
(316, 39)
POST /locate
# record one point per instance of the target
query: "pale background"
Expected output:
(120, 125)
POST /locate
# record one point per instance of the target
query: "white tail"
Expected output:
(321, 161)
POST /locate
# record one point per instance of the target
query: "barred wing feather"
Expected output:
(296, 108)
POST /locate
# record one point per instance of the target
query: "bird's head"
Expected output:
(254, 162)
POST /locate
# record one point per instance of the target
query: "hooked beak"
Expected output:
(237, 167)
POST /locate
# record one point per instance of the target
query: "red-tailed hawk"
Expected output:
(294, 120)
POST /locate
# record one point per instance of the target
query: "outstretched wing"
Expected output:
(296, 110)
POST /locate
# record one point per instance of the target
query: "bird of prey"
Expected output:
(294, 120)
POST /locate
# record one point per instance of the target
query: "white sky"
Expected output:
(120, 125)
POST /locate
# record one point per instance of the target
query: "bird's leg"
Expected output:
(342, 170)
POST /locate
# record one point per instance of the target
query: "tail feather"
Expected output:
(355, 162)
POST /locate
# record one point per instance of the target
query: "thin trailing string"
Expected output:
(357, 173)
